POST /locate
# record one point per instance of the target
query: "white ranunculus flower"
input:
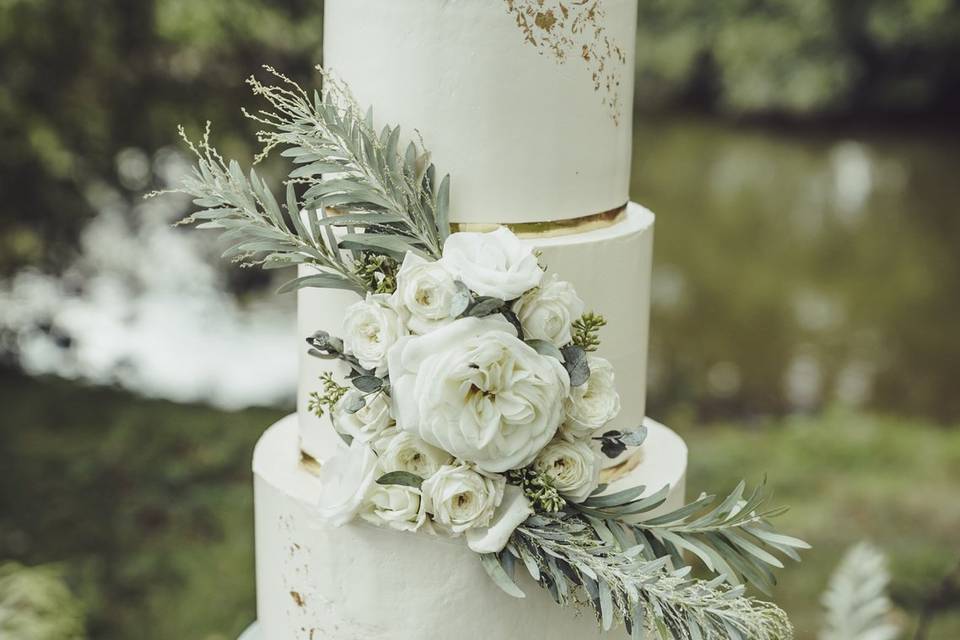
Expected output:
(462, 498)
(365, 424)
(476, 391)
(371, 327)
(547, 313)
(404, 451)
(512, 512)
(573, 466)
(395, 506)
(592, 405)
(345, 481)
(496, 264)
(427, 291)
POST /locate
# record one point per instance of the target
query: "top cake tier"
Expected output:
(526, 103)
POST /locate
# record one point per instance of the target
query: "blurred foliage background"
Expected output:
(801, 154)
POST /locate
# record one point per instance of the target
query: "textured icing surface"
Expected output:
(609, 267)
(528, 110)
(359, 582)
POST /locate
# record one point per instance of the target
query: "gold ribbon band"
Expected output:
(547, 229)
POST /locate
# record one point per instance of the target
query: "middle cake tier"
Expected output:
(609, 266)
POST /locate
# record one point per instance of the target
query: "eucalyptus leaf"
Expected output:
(402, 478)
(485, 306)
(576, 363)
(367, 384)
(491, 565)
(461, 300)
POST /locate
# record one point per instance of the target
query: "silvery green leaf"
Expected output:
(616, 499)
(634, 438)
(576, 363)
(319, 280)
(367, 384)
(546, 348)
(612, 448)
(443, 208)
(361, 219)
(491, 565)
(355, 403)
(402, 478)
(461, 300)
(484, 307)
(395, 245)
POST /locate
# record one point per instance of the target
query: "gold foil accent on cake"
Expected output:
(611, 475)
(549, 228)
(565, 29)
(310, 464)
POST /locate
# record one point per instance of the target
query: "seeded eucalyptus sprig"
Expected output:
(733, 539)
(332, 392)
(567, 557)
(586, 331)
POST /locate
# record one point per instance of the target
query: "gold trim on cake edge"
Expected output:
(549, 228)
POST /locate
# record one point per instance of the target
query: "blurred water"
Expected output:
(796, 269)
(793, 270)
(146, 307)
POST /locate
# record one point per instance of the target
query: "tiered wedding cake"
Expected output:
(470, 446)
(527, 103)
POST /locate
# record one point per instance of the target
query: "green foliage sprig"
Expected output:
(733, 539)
(856, 602)
(378, 272)
(539, 489)
(566, 555)
(586, 331)
(351, 177)
(332, 392)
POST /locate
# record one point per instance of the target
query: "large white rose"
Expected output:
(592, 405)
(573, 466)
(371, 327)
(547, 313)
(395, 506)
(345, 481)
(404, 451)
(496, 264)
(365, 424)
(427, 291)
(476, 391)
(462, 498)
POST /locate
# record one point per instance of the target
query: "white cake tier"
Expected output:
(359, 582)
(526, 104)
(610, 268)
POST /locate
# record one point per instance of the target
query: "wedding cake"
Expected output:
(470, 446)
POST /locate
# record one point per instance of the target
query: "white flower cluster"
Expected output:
(467, 396)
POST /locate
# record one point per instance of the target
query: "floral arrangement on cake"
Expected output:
(474, 404)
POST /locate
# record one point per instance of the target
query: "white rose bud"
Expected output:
(367, 423)
(396, 506)
(345, 481)
(548, 312)
(476, 391)
(427, 291)
(404, 451)
(371, 327)
(573, 466)
(496, 264)
(461, 498)
(592, 405)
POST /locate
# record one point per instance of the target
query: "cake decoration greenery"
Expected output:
(474, 403)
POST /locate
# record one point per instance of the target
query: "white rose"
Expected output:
(461, 498)
(427, 291)
(371, 327)
(476, 391)
(345, 481)
(496, 264)
(548, 312)
(594, 404)
(365, 424)
(404, 451)
(396, 506)
(573, 466)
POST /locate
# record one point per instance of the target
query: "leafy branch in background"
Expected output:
(856, 602)
(353, 178)
(568, 557)
(733, 539)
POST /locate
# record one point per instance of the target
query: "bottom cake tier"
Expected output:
(359, 582)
